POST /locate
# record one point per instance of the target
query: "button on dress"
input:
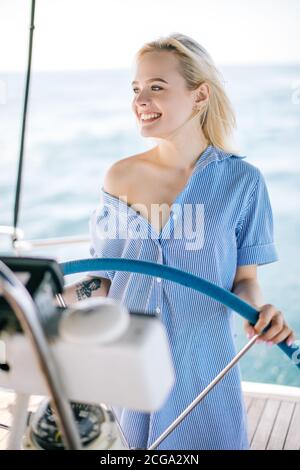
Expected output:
(222, 219)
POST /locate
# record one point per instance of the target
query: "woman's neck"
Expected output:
(181, 155)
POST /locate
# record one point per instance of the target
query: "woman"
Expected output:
(191, 179)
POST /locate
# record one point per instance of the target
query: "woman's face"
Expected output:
(159, 88)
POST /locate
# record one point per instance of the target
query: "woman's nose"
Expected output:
(142, 98)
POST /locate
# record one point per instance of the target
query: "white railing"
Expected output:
(23, 245)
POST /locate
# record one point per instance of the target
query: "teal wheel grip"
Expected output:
(180, 277)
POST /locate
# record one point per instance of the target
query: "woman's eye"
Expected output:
(154, 86)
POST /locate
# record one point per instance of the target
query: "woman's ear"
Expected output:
(202, 93)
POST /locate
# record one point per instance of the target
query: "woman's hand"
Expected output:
(278, 331)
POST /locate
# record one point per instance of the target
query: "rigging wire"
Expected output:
(23, 132)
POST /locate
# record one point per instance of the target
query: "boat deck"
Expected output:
(273, 416)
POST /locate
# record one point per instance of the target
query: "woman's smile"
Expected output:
(149, 118)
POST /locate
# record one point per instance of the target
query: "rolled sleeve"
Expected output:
(255, 242)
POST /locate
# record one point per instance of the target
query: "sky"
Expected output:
(99, 34)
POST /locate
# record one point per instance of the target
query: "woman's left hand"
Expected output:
(279, 330)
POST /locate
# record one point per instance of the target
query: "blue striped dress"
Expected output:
(220, 220)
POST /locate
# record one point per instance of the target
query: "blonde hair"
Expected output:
(217, 119)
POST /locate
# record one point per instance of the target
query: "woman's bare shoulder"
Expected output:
(123, 173)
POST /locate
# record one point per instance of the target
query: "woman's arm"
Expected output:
(247, 288)
(88, 286)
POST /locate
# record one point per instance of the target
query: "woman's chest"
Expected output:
(154, 193)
